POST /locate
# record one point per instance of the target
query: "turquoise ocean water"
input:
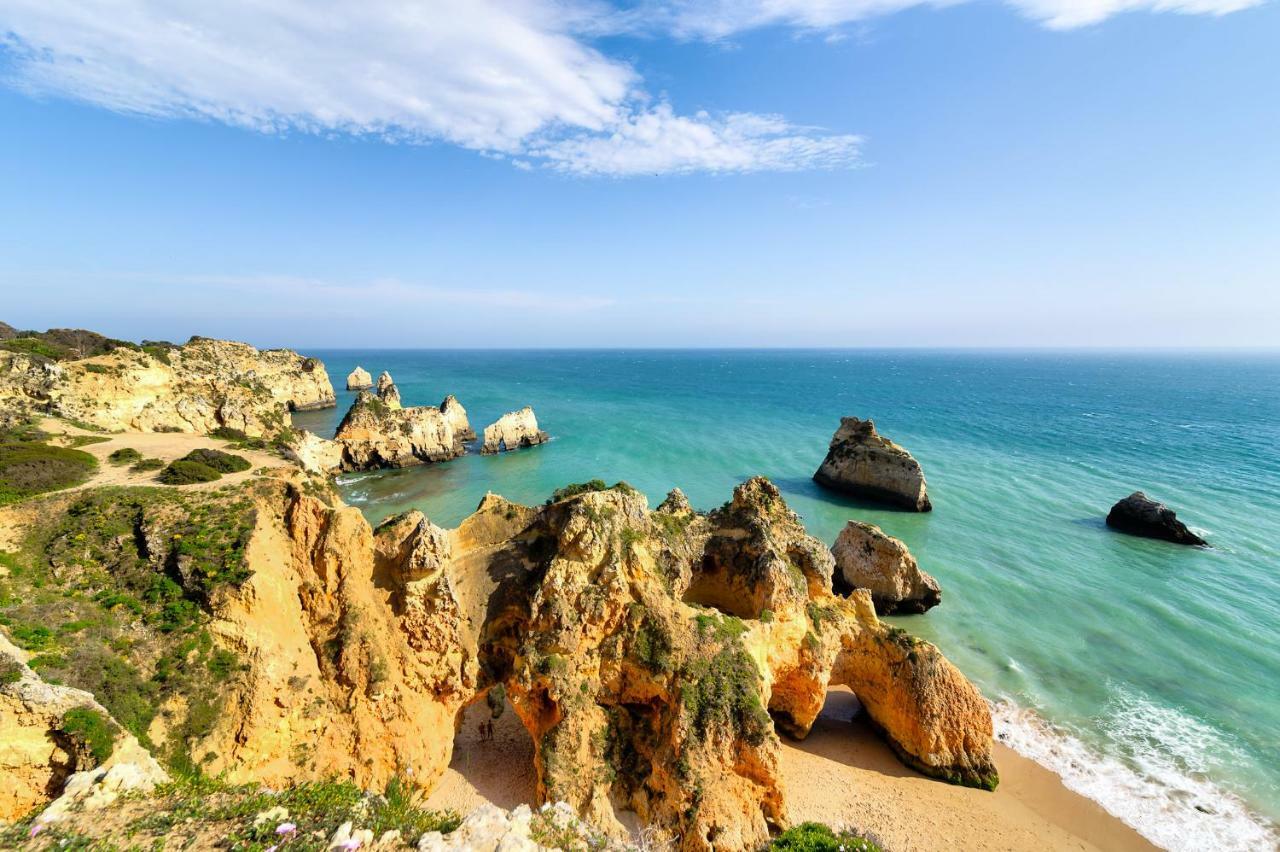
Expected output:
(1146, 674)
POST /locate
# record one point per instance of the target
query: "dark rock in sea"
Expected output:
(1138, 514)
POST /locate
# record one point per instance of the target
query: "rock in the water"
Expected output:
(866, 464)
(359, 379)
(457, 417)
(376, 434)
(867, 558)
(514, 430)
(1138, 514)
(387, 390)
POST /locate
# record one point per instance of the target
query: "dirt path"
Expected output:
(166, 446)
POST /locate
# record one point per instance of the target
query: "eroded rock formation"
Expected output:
(514, 430)
(40, 758)
(359, 379)
(1139, 515)
(649, 653)
(866, 464)
(377, 434)
(197, 387)
(387, 391)
(867, 558)
(457, 417)
(312, 453)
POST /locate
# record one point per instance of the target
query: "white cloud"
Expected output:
(657, 141)
(715, 19)
(511, 78)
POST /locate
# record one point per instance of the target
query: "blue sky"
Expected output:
(838, 173)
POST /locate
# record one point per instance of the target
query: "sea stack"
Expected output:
(866, 464)
(376, 434)
(457, 417)
(387, 391)
(1139, 515)
(514, 430)
(359, 379)
(868, 558)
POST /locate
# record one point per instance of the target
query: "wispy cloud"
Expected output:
(519, 79)
(513, 78)
(718, 19)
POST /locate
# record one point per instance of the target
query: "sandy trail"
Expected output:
(165, 446)
(841, 774)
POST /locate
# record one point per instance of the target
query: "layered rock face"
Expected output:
(312, 453)
(866, 464)
(1139, 515)
(193, 388)
(359, 379)
(867, 558)
(514, 430)
(375, 433)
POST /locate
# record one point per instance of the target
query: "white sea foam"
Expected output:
(1163, 792)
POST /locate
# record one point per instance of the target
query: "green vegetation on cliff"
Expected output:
(28, 468)
(109, 592)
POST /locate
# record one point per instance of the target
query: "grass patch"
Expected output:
(28, 468)
(722, 693)
(145, 465)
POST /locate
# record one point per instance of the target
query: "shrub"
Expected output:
(28, 468)
(227, 433)
(124, 455)
(218, 460)
(184, 472)
(815, 837)
(576, 488)
(10, 672)
(147, 464)
(92, 728)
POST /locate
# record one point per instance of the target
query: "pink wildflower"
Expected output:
(286, 828)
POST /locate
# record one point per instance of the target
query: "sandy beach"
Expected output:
(842, 774)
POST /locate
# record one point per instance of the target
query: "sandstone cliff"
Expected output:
(866, 464)
(867, 558)
(514, 430)
(376, 434)
(387, 391)
(41, 752)
(649, 654)
(197, 387)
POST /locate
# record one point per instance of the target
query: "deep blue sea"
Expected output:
(1146, 674)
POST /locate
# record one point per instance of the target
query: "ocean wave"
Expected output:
(1165, 795)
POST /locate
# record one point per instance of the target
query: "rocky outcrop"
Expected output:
(1139, 515)
(41, 759)
(867, 558)
(521, 829)
(866, 464)
(457, 417)
(197, 387)
(652, 656)
(359, 379)
(388, 392)
(312, 453)
(375, 434)
(514, 430)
